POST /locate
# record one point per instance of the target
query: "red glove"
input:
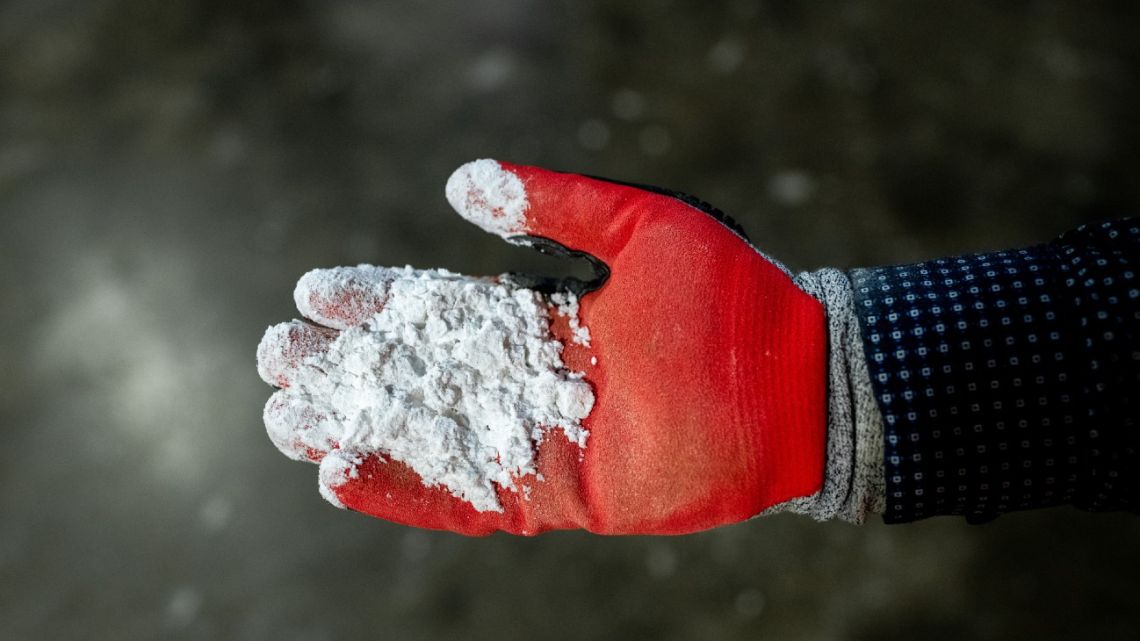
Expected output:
(709, 382)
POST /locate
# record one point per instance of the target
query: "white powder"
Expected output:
(567, 306)
(489, 196)
(355, 293)
(457, 377)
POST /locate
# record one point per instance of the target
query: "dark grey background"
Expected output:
(168, 169)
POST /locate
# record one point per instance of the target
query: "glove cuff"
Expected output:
(853, 476)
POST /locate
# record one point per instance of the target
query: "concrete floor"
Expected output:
(168, 170)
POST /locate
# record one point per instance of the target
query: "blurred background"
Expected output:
(169, 169)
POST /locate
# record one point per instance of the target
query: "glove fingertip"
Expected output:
(343, 297)
(490, 196)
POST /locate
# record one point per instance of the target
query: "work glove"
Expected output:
(707, 362)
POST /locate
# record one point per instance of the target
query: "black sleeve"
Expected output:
(1006, 379)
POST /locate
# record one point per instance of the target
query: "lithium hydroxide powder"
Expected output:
(485, 193)
(457, 377)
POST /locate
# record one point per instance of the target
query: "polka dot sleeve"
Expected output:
(1005, 379)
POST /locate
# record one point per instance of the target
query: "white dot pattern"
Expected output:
(1004, 378)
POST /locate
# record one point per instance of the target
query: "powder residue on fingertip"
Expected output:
(284, 348)
(342, 297)
(486, 194)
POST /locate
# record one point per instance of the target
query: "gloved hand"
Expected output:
(707, 363)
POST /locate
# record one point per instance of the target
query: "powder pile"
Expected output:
(457, 377)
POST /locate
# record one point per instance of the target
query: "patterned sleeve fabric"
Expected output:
(1005, 379)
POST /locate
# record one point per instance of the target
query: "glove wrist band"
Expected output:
(853, 476)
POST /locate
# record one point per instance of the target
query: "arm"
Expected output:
(720, 386)
(1005, 379)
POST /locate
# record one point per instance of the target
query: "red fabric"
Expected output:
(709, 383)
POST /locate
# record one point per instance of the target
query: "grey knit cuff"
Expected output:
(853, 483)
